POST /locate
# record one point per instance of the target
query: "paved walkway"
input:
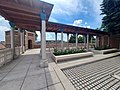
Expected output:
(24, 73)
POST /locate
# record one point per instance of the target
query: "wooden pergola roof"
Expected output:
(25, 13)
(56, 27)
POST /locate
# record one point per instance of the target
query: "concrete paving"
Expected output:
(24, 73)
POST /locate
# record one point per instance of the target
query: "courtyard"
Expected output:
(24, 73)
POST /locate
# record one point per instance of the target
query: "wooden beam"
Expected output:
(26, 15)
(17, 7)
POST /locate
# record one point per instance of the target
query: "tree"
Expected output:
(111, 11)
(73, 39)
(80, 39)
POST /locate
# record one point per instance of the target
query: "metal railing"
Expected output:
(6, 55)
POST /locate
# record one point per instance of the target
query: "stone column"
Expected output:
(41, 43)
(56, 39)
(87, 42)
(67, 40)
(12, 39)
(21, 39)
(97, 41)
(76, 40)
(62, 41)
(91, 39)
(43, 62)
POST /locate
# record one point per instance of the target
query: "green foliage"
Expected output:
(73, 39)
(111, 11)
(68, 51)
(102, 47)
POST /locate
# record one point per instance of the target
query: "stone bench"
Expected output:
(70, 56)
(107, 51)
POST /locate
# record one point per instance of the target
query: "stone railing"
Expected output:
(6, 55)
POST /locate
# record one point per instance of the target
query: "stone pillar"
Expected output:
(97, 41)
(91, 39)
(91, 45)
(62, 41)
(76, 40)
(21, 39)
(87, 42)
(43, 62)
(41, 43)
(56, 39)
(12, 39)
(102, 40)
(67, 40)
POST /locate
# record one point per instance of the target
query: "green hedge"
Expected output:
(68, 51)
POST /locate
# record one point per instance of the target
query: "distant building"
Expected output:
(28, 39)
(2, 46)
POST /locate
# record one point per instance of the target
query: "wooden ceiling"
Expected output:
(25, 13)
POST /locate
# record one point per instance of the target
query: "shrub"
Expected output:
(68, 51)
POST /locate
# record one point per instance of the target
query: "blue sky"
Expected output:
(82, 13)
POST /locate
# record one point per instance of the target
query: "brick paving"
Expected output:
(95, 76)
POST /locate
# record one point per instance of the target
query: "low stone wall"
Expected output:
(70, 56)
(6, 55)
(107, 51)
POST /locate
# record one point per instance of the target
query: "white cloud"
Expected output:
(2, 32)
(53, 20)
(96, 9)
(1, 18)
(67, 7)
(80, 23)
(77, 22)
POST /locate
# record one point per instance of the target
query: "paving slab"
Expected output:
(15, 75)
(52, 78)
(11, 85)
(34, 82)
(57, 86)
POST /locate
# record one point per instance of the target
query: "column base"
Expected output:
(43, 63)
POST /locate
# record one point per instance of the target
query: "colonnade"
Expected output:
(43, 62)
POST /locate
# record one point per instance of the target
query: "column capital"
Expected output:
(43, 16)
(12, 24)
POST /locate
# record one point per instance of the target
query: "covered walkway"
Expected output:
(24, 73)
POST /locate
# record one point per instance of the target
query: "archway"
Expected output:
(29, 44)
